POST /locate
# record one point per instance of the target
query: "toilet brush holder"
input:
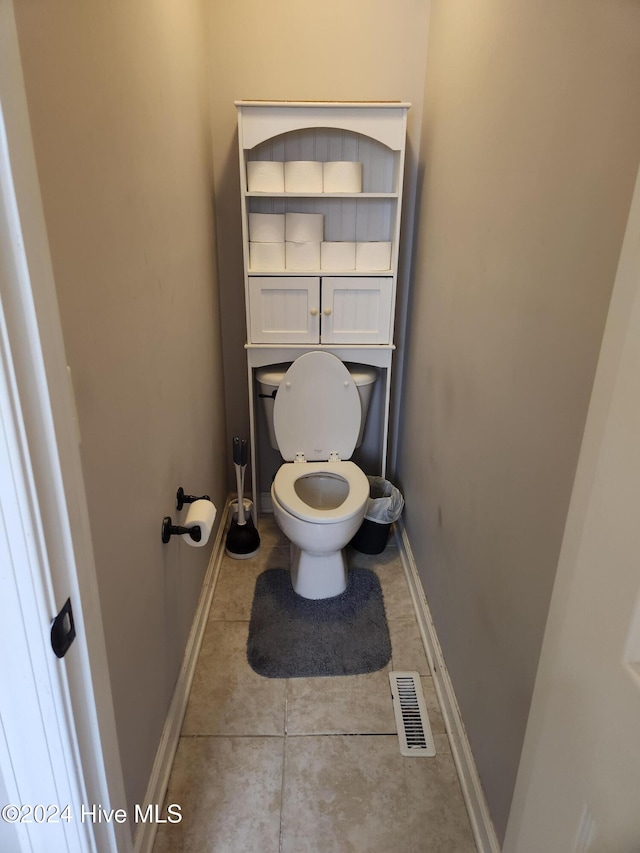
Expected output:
(243, 540)
(233, 508)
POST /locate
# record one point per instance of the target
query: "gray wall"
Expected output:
(528, 157)
(119, 108)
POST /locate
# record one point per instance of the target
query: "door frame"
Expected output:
(44, 500)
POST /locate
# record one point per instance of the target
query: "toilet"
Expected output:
(319, 496)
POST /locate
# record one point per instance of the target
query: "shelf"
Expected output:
(327, 104)
(323, 273)
(254, 194)
(377, 355)
(372, 349)
(306, 347)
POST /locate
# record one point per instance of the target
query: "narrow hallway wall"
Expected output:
(291, 51)
(119, 108)
(529, 151)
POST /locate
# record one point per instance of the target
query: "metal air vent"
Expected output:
(414, 731)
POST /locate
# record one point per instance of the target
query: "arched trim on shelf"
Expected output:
(261, 123)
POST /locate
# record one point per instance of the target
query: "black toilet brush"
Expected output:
(243, 540)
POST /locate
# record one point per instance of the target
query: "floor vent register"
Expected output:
(414, 731)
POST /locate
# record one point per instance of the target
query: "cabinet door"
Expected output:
(356, 310)
(284, 310)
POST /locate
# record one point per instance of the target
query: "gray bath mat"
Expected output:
(295, 637)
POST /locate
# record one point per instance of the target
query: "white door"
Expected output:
(356, 310)
(284, 309)
(578, 787)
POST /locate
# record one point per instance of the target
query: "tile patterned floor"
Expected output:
(307, 765)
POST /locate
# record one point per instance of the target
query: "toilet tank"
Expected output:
(270, 377)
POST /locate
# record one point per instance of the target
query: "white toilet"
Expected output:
(319, 497)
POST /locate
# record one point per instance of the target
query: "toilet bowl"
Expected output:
(319, 496)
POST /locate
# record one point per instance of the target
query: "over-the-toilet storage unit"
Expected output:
(291, 309)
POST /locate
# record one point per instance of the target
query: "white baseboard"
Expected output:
(481, 824)
(156, 790)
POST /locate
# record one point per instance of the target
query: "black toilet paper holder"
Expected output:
(182, 499)
(169, 530)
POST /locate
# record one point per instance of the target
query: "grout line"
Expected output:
(284, 761)
(343, 734)
(226, 621)
(286, 708)
(228, 735)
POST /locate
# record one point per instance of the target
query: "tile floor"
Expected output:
(307, 764)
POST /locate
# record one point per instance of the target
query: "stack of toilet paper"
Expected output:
(310, 176)
(342, 176)
(265, 176)
(304, 176)
(266, 241)
(294, 241)
(338, 256)
(303, 235)
(364, 257)
(371, 257)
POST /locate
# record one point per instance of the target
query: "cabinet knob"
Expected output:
(327, 312)
(313, 312)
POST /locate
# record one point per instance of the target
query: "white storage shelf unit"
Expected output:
(348, 312)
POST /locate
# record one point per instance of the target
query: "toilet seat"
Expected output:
(317, 411)
(284, 490)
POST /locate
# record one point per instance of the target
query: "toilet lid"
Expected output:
(317, 409)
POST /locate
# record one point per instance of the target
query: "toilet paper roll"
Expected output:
(201, 514)
(373, 256)
(342, 176)
(303, 176)
(266, 227)
(266, 257)
(265, 176)
(303, 256)
(304, 227)
(337, 256)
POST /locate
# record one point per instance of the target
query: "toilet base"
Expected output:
(318, 575)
